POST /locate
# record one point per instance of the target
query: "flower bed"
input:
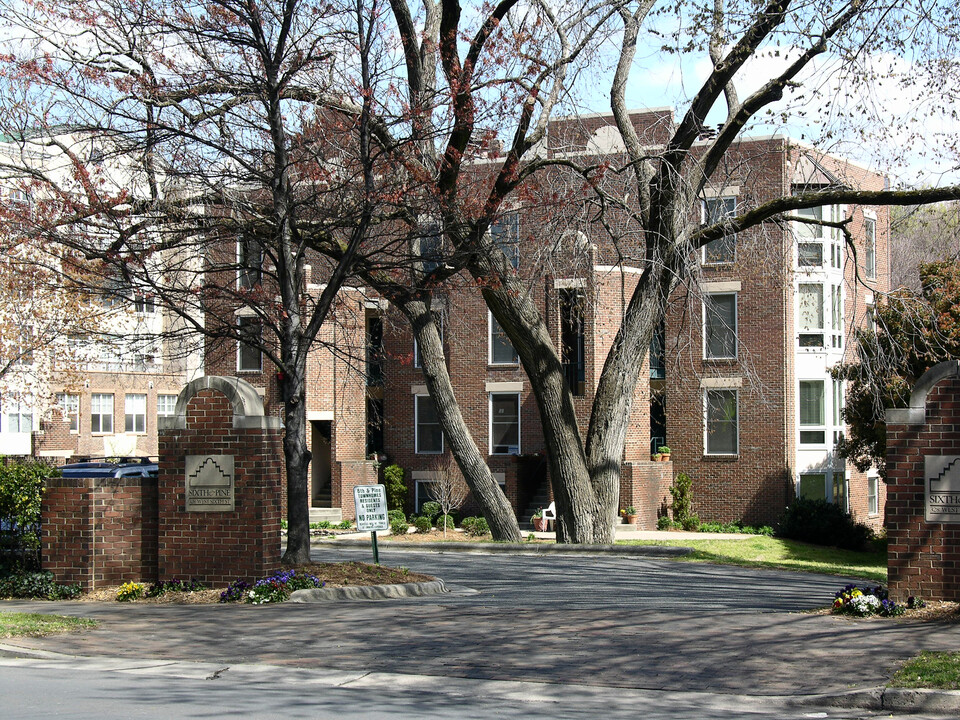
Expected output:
(867, 601)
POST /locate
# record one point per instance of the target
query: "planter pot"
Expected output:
(540, 524)
(631, 519)
(665, 458)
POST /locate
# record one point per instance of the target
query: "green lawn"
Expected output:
(937, 670)
(761, 551)
(13, 624)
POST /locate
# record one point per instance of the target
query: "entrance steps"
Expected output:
(331, 515)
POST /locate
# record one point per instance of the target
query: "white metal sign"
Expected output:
(371, 504)
(943, 488)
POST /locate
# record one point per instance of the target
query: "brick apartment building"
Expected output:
(739, 383)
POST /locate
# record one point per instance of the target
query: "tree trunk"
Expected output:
(297, 460)
(486, 491)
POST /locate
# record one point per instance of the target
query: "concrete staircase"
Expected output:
(331, 515)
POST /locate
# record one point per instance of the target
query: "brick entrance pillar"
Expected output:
(923, 489)
(221, 470)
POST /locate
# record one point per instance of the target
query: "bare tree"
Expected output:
(188, 157)
(447, 488)
(922, 234)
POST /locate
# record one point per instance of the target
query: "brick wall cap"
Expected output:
(246, 402)
(916, 413)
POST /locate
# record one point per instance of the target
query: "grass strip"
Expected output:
(770, 552)
(933, 670)
(15, 624)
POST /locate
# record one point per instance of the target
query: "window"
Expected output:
(720, 325)
(423, 492)
(504, 424)
(429, 247)
(809, 254)
(24, 348)
(722, 250)
(837, 411)
(249, 263)
(19, 417)
(658, 352)
(721, 431)
(808, 230)
(810, 314)
(101, 413)
(813, 429)
(501, 349)
(135, 413)
(374, 352)
(506, 235)
(572, 353)
(374, 425)
(813, 486)
(166, 405)
(70, 409)
(873, 495)
(144, 304)
(870, 245)
(429, 435)
(836, 316)
(840, 496)
(249, 358)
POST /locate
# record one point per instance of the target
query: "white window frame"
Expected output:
(731, 238)
(18, 414)
(69, 404)
(822, 427)
(252, 319)
(416, 428)
(734, 329)
(821, 331)
(490, 360)
(515, 449)
(144, 304)
(869, 247)
(97, 410)
(873, 494)
(162, 401)
(706, 422)
(135, 413)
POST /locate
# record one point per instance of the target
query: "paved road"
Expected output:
(647, 625)
(607, 582)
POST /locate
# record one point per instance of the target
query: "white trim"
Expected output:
(490, 424)
(870, 214)
(565, 283)
(827, 416)
(418, 390)
(320, 415)
(722, 287)
(618, 268)
(720, 383)
(504, 387)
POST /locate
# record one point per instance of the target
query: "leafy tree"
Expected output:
(914, 331)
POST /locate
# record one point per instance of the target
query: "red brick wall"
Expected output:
(923, 558)
(646, 486)
(219, 547)
(100, 532)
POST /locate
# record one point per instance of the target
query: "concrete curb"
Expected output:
(890, 700)
(368, 592)
(518, 548)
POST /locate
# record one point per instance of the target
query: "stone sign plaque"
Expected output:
(942, 474)
(209, 483)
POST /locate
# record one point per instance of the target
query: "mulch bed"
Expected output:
(333, 574)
